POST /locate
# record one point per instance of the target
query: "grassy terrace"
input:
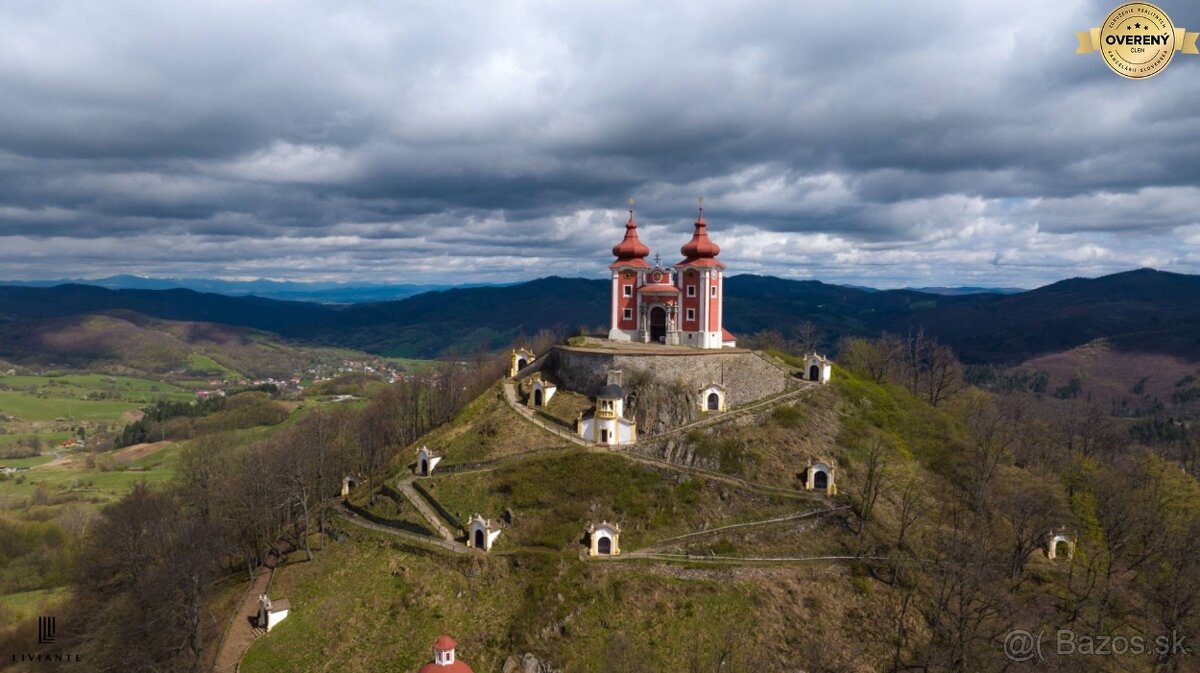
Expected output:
(486, 428)
(564, 408)
(554, 497)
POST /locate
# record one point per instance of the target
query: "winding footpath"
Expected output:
(510, 395)
(406, 488)
(239, 634)
(340, 510)
(765, 522)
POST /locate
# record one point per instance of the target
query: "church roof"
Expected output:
(611, 392)
(658, 289)
(630, 251)
(444, 642)
(700, 251)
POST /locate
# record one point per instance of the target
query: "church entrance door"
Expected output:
(658, 324)
(814, 373)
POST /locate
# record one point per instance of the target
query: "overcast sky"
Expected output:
(879, 143)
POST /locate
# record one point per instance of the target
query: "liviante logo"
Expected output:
(46, 627)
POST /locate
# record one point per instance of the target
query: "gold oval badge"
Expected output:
(1137, 40)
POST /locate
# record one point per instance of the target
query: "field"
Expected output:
(80, 397)
(71, 478)
(15, 607)
(26, 407)
(32, 461)
(198, 362)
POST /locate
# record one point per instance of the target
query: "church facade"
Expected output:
(681, 305)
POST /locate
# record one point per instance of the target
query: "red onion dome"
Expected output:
(444, 643)
(630, 248)
(700, 247)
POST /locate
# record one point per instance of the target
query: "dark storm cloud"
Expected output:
(936, 143)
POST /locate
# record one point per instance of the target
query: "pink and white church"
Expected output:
(679, 306)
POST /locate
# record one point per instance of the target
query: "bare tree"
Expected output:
(873, 479)
(877, 360)
(943, 373)
(808, 337)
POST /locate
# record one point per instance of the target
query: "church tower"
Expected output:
(702, 279)
(628, 274)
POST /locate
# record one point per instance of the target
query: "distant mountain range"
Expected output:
(1136, 310)
(321, 292)
(343, 293)
(949, 291)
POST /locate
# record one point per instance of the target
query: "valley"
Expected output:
(66, 451)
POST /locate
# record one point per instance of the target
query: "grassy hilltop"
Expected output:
(929, 554)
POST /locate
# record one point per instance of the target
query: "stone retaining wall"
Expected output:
(745, 375)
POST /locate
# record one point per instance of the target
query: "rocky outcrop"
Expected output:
(529, 663)
(658, 405)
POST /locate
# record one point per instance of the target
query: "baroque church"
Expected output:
(681, 305)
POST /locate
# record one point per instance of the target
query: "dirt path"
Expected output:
(766, 522)
(240, 634)
(511, 396)
(59, 461)
(423, 507)
(351, 517)
(748, 560)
